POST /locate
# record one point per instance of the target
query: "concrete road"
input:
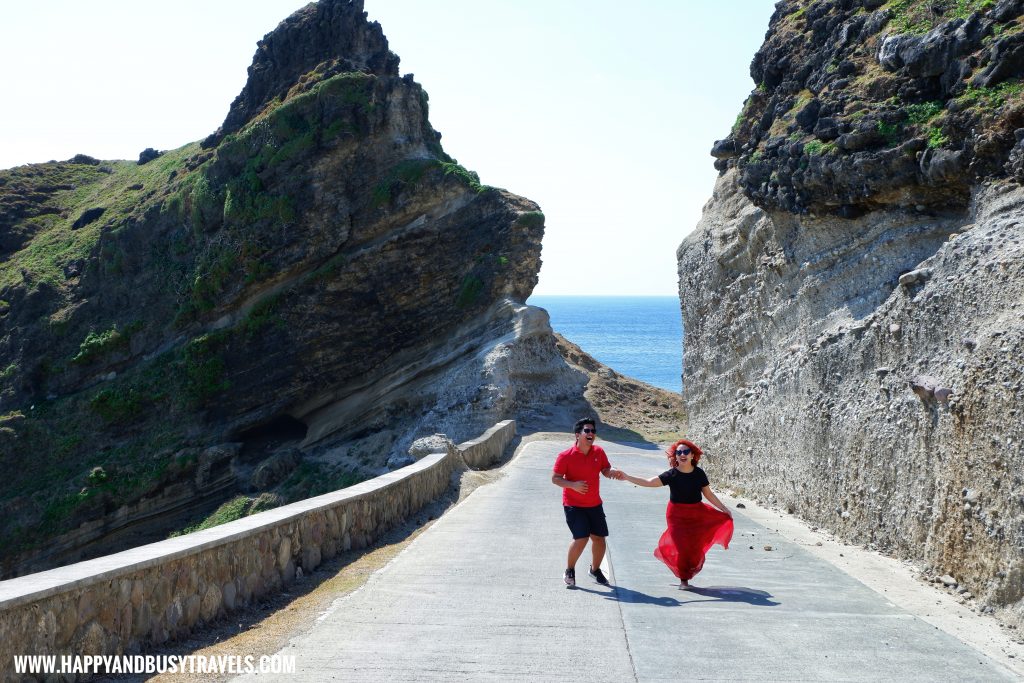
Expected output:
(479, 596)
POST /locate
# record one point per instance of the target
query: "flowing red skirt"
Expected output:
(692, 529)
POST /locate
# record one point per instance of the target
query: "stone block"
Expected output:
(249, 585)
(45, 635)
(311, 558)
(86, 606)
(125, 623)
(143, 621)
(173, 614)
(67, 622)
(92, 639)
(107, 609)
(160, 594)
(124, 592)
(288, 573)
(137, 593)
(211, 603)
(192, 607)
(229, 593)
(284, 553)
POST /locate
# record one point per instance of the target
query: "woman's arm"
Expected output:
(710, 495)
(653, 481)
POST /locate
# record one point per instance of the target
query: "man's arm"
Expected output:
(577, 486)
(612, 473)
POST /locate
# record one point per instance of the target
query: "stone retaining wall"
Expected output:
(486, 449)
(145, 596)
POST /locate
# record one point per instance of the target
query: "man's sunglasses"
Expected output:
(590, 431)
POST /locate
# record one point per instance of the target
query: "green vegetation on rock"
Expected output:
(993, 97)
(236, 508)
(921, 16)
(818, 148)
(102, 343)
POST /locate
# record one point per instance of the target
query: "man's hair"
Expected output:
(578, 427)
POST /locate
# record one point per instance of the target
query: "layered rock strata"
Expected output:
(855, 357)
(314, 288)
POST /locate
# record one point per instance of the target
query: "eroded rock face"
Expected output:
(852, 297)
(332, 37)
(318, 275)
(863, 106)
(824, 386)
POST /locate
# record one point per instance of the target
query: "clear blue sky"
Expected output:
(601, 111)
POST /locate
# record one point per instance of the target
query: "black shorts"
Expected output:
(586, 522)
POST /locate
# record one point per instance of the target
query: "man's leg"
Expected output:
(575, 550)
(597, 547)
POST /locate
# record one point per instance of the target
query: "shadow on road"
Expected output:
(720, 593)
(623, 594)
(735, 594)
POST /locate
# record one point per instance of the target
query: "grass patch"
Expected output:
(470, 178)
(890, 132)
(923, 112)
(921, 16)
(213, 271)
(205, 369)
(936, 138)
(263, 315)
(118, 405)
(531, 220)
(818, 148)
(469, 293)
(98, 344)
(236, 508)
(64, 189)
(86, 472)
(993, 97)
(403, 174)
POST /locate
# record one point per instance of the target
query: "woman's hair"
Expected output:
(695, 450)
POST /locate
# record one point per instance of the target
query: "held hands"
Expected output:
(581, 486)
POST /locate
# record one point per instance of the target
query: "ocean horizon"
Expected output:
(637, 336)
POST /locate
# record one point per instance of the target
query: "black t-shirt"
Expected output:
(684, 487)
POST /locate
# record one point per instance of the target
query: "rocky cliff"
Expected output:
(304, 299)
(853, 296)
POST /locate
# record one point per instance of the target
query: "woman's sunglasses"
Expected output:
(682, 451)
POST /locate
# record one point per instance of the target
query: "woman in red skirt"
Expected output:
(693, 525)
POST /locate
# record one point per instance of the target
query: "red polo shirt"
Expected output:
(575, 466)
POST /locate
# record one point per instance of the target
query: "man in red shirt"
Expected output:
(576, 471)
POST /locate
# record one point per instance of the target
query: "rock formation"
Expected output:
(853, 296)
(295, 302)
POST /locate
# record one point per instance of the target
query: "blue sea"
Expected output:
(637, 336)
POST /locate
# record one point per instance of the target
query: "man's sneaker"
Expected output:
(570, 578)
(598, 576)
